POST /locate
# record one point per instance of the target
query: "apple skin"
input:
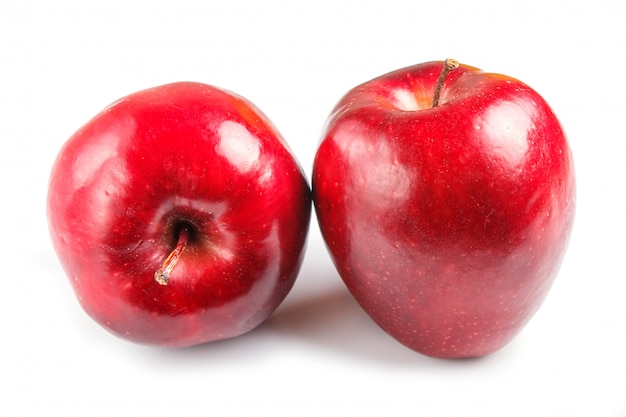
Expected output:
(179, 155)
(448, 224)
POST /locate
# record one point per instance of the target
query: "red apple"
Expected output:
(446, 198)
(179, 215)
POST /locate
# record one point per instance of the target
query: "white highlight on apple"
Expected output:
(381, 181)
(405, 100)
(238, 145)
(506, 127)
(93, 158)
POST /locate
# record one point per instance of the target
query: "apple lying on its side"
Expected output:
(179, 215)
(446, 198)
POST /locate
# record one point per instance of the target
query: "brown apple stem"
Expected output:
(448, 66)
(162, 275)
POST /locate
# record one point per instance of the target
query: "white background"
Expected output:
(62, 61)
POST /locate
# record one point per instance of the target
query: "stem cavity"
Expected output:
(448, 65)
(162, 275)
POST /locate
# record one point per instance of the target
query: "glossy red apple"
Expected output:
(179, 215)
(446, 198)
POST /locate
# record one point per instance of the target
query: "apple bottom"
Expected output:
(453, 307)
(216, 292)
(196, 325)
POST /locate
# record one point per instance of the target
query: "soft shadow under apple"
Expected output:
(332, 319)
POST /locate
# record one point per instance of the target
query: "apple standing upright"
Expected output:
(179, 215)
(446, 198)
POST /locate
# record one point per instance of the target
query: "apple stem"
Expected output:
(162, 275)
(448, 66)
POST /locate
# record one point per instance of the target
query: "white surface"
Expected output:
(62, 61)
